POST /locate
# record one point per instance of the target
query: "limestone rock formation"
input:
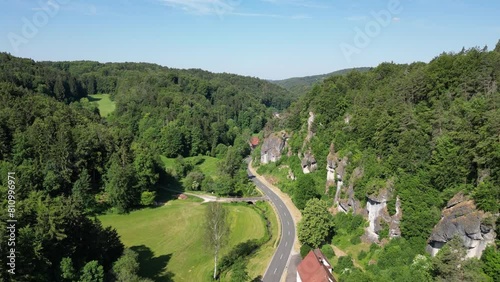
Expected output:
(310, 122)
(272, 147)
(309, 163)
(344, 204)
(461, 218)
(335, 168)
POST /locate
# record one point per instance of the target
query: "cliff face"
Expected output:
(308, 162)
(272, 147)
(349, 202)
(378, 214)
(335, 171)
(461, 218)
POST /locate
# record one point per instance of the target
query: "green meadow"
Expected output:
(104, 103)
(170, 243)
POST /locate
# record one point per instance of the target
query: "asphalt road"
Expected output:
(279, 262)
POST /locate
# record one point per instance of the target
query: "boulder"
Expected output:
(461, 218)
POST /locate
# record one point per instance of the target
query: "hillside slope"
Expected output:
(300, 85)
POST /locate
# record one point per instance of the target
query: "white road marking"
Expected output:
(281, 256)
(275, 270)
(281, 206)
(288, 222)
(288, 232)
(286, 243)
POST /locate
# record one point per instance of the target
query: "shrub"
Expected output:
(344, 262)
(374, 247)
(148, 198)
(391, 206)
(328, 251)
(304, 250)
(384, 232)
(355, 240)
(194, 180)
(362, 255)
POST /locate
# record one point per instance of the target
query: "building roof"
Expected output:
(315, 268)
(254, 141)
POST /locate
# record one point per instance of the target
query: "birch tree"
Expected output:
(216, 229)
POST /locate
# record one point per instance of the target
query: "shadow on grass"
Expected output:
(168, 187)
(93, 99)
(153, 267)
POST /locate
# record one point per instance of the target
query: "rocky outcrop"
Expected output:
(461, 218)
(379, 216)
(309, 163)
(272, 147)
(310, 122)
(350, 202)
(335, 171)
(331, 165)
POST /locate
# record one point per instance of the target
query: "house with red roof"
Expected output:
(254, 142)
(315, 268)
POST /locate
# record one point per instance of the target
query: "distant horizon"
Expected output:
(268, 39)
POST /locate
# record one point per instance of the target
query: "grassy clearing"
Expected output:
(207, 165)
(259, 261)
(170, 242)
(104, 103)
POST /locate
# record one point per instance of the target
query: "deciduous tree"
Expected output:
(216, 229)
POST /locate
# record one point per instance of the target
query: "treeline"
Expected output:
(70, 163)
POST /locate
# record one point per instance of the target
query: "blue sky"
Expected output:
(270, 39)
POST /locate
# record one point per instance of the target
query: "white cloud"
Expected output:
(204, 7)
(299, 3)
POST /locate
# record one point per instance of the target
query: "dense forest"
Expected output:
(71, 164)
(427, 130)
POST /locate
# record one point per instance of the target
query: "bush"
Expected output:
(148, 198)
(328, 251)
(194, 180)
(208, 184)
(384, 232)
(355, 240)
(362, 255)
(374, 247)
(391, 206)
(344, 262)
(304, 250)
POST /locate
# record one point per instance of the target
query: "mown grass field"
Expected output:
(259, 260)
(170, 242)
(104, 103)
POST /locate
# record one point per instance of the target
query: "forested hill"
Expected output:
(414, 134)
(301, 85)
(70, 163)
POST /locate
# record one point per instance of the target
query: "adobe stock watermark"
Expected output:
(31, 26)
(373, 28)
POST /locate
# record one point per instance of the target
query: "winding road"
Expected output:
(279, 261)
